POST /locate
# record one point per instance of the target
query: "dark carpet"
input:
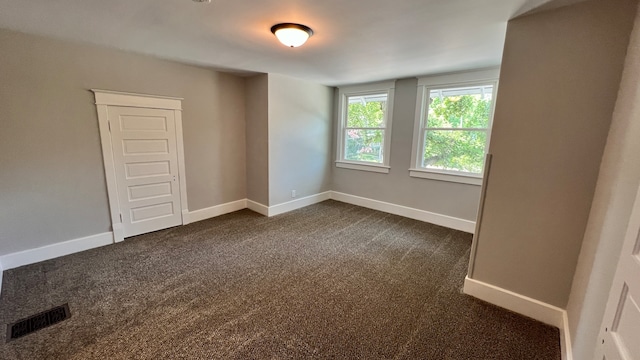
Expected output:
(330, 281)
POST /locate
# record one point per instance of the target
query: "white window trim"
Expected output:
(387, 87)
(462, 178)
(425, 85)
(354, 165)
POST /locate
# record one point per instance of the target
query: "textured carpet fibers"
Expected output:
(328, 281)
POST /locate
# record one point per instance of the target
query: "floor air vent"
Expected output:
(38, 321)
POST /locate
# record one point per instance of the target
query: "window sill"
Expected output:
(363, 167)
(456, 178)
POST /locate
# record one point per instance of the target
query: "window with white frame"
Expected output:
(365, 127)
(453, 128)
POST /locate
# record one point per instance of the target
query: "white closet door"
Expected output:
(620, 333)
(146, 167)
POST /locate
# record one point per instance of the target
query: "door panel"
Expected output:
(145, 147)
(146, 166)
(145, 122)
(154, 211)
(147, 169)
(627, 329)
(620, 329)
(149, 191)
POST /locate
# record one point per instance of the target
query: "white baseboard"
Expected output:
(422, 215)
(31, 256)
(207, 213)
(535, 309)
(298, 203)
(289, 205)
(515, 302)
(416, 214)
(257, 207)
(52, 251)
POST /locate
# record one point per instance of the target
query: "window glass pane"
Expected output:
(366, 111)
(455, 150)
(468, 107)
(364, 145)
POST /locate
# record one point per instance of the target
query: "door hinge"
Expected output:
(120, 217)
(109, 125)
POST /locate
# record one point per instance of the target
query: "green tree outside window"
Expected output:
(364, 133)
(457, 129)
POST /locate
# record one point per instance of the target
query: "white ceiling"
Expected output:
(355, 40)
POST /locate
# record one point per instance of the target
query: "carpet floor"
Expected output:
(329, 281)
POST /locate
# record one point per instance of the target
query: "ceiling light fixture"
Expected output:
(292, 35)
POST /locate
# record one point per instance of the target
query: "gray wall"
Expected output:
(52, 178)
(452, 199)
(300, 125)
(559, 79)
(617, 185)
(257, 120)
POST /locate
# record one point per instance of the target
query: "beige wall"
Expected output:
(560, 75)
(257, 119)
(396, 187)
(617, 185)
(300, 125)
(52, 178)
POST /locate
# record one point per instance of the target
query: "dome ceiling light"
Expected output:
(292, 35)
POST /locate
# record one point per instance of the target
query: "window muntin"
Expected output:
(455, 129)
(364, 133)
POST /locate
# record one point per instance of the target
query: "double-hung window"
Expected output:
(453, 126)
(365, 127)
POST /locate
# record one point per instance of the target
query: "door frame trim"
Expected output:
(106, 98)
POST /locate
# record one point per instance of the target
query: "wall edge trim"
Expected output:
(412, 213)
(213, 211)
(258, 207)
(52, 251)
(524, 305)
(298, 203)
(31, 256)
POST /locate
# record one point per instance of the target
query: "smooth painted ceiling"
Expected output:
(354, 42)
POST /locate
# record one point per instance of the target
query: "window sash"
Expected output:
(423, 136)
(424, 128)
(347, 102)
(452, 91)
(381, 151)
(455, 129)
(347, 98)
(364, 128)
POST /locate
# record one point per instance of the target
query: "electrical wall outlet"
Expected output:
(293, 193)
